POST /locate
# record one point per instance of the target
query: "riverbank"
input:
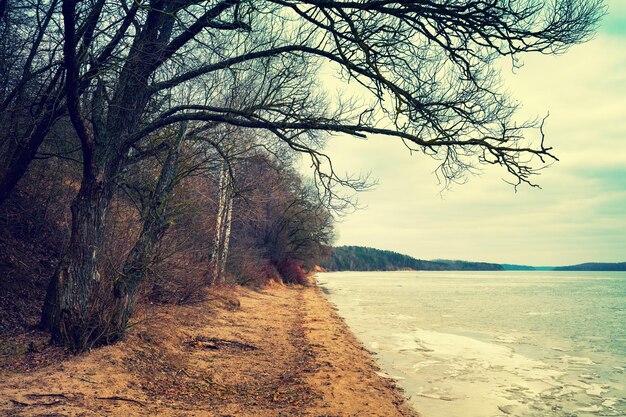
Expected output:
(282, 351)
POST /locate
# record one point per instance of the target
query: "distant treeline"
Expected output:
(593, 266)
(359, 258)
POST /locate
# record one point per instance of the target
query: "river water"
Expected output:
(487, 344)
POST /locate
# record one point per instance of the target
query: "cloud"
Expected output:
(578, 215)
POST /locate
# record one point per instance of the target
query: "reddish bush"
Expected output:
(291, 272)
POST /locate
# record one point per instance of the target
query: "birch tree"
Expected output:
(223, 221)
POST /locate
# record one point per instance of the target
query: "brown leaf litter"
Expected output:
(282, 352)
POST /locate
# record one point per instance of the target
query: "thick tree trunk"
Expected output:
(155, 223)
(134, 271)
(67, 311)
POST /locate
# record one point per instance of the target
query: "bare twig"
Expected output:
(117, 398)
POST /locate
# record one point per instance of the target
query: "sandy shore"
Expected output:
(282, 351)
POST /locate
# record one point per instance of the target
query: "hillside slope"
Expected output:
(360, 258)
(594, 266)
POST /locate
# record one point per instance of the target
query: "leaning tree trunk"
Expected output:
(155, 224)
(19, 148)
(67, 309)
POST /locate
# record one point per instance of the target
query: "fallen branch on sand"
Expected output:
(214, 343)
(47, 395)
(116, 398)
(37, 395)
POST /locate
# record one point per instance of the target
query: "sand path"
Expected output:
(282, 351)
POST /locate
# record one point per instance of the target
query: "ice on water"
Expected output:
(474, 346)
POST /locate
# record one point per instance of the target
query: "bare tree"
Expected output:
(31, 83)
(280, 225)
(428, 67)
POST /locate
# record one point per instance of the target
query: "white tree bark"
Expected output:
(226, 237)
(223, 220)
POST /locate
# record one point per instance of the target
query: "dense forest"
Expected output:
(149, 148)
(359, 258)
(274, 228)
(594, 266)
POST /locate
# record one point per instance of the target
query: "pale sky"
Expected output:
(578, 216)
